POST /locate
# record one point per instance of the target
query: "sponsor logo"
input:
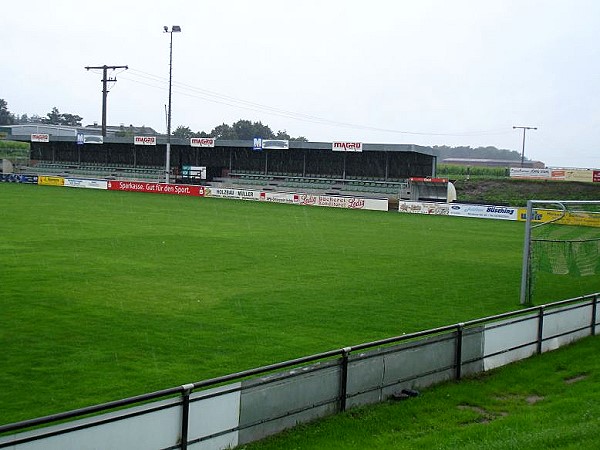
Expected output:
(346, 146)
(144, 140)
(202, 142)
(500, 210)
(39, 137)
(93, 139)
(275, 144)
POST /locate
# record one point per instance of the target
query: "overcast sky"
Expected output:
(427, 72)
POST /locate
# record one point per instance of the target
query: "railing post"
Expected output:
(344, 378)
(594, 310)
(459, 342)
(540, 338)
(185, 414)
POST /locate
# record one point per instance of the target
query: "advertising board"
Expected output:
(18, 178)
(331, 201)
(527, 172)
(583, 175)
(144, 140)
(156, 188)
(40, 137)
(347, 146)
(198, 172)
(231, 193)
(546, 215)
(596, 176)
(202, 142)
(51, 181)
(483, 211)
(275, 144)
(93, 139)
(86, 183)
(434, 208)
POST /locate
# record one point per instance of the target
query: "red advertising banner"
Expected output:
(596, 176)
(156, 188)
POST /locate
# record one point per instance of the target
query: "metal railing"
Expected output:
(343, 360)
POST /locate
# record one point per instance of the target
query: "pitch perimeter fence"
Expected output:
(247, 406)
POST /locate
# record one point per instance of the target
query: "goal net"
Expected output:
(561, 255)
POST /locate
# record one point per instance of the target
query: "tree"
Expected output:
(54, 117)
(223, 131)
(183, 132)
(71, 120)
(6, 117)
(282, 134)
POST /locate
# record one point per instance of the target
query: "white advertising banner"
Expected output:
(86, 183)
(424, 208)
(281, 144)
(484, 211)
(144, 140)
(346, 146)
(202, 142)
(331, 201)
(525, 172)
(231, 193)
(40, 137)
(93, 139)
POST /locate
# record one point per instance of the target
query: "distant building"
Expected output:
(120, 131)
(63, 130)
(493, 163)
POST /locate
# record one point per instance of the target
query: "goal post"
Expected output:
(561, 251)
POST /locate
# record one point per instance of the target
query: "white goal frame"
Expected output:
(529, 225)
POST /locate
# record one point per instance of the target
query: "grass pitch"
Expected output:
(112, 294)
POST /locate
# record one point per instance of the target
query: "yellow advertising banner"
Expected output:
(51, 181)
(546, 215)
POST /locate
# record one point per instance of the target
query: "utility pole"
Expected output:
(523, 151)
(105, 80)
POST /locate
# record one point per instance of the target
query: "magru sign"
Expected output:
(346, 146)
(202, 142)
(144, 140)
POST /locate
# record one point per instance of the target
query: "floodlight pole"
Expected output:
(174, 29)
(523, 151)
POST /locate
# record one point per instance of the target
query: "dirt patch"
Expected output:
(485, 416)
(533, 399)
(576, 378)
(529, 399)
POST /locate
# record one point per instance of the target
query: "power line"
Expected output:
(105, 80)
(158, 82)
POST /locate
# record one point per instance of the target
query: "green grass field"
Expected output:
(112, 294)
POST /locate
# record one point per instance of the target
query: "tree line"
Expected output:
(244, 130)
(54, 117)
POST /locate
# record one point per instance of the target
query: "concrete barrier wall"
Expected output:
(248, 410)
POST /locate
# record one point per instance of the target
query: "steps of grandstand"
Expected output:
(93, 170)
(311, 183)
(317, 184)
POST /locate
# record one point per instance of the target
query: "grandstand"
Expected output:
(370, 170)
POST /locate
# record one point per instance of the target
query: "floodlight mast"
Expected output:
(174, 29)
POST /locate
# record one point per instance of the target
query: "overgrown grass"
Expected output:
(548, 401)
(112, 294)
